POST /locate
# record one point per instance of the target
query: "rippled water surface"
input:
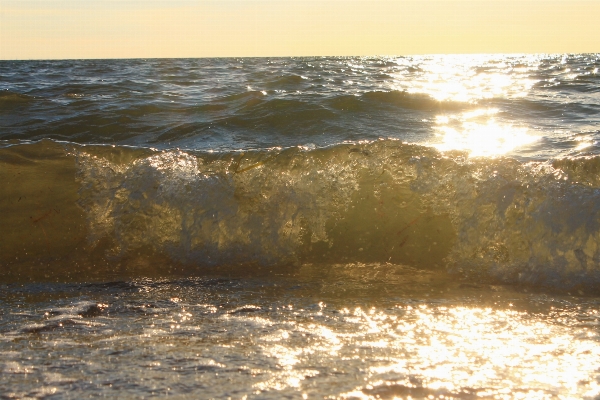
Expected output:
(332, 227)
(345, 331)
(528, 105)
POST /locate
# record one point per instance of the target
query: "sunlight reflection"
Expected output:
(457, 348)
(584, 144)
(287, 358)
(470, 79)
(487, 138)
(466, 78)
(429, 351)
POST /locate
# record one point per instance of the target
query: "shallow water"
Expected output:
(377, 227)
(342, 331)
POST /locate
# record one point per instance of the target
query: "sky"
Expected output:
(76, 29)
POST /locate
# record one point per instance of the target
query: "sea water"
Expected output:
(361, 228)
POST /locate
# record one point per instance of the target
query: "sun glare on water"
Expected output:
(479, 134)
(424, 351)
(472, 79)
(478, 353)
(467, 78)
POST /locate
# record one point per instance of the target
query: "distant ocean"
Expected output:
(329, 227)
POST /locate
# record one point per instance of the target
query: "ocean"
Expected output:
(327, 227)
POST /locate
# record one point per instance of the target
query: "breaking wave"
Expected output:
(99, 210)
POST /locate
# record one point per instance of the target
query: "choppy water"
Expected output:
(280, 228)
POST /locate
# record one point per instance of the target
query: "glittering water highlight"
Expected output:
(360, 228)
(347, 331)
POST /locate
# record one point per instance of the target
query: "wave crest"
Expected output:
(383, 201)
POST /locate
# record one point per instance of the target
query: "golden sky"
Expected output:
(45, 29)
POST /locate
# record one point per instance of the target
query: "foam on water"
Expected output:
(383, 201)
(344, 227)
